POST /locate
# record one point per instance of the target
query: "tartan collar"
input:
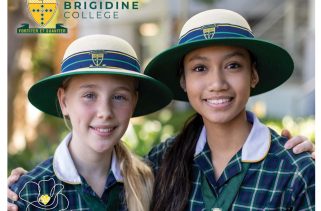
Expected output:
(64, 167)
(256, 146)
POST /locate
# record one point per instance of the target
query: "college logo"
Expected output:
(42, 12)
(209, 31)
(97, 57)
(44, 195)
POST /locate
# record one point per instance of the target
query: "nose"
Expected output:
(104, 110)
(216, 80)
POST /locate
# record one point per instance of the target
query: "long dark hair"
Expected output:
(174, 178)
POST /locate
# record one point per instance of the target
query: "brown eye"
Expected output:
(199, 68)
(233, 66)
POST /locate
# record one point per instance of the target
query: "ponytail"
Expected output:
(138, 179)
(174, 178)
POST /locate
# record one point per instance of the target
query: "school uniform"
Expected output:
(56, 185)
(275, 179)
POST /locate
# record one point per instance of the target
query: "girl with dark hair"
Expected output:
(225, 158)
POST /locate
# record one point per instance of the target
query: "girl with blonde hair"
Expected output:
(99, 89)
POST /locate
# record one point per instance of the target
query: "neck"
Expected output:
(88, 163)
(225, 140)
(228, 136)
(93, 166)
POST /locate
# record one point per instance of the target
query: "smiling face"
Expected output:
(99, 108)
(218, 81)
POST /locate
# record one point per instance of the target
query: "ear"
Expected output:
(182, 82)
(254, 76)
(61, 94)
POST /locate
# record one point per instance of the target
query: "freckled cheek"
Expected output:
(80, 112)
(124, 113)
(85, 115)
(86, 110)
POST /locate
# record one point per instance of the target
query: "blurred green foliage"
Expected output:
(143, 133)
(152, 129)
(50, 131)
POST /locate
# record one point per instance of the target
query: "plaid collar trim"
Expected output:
(64, 167)
(256, 146)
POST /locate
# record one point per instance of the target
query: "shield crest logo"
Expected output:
(42, 11)
(97, 57)
(209, 31)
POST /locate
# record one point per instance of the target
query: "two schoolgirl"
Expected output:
(224, 158)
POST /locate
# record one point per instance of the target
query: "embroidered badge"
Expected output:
(209, 31)
(45, 195)
(97, 57)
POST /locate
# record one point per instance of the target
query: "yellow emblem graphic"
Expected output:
(44, 199)
(42, 11)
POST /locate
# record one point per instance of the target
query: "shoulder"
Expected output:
(41, 172)
(301, 166)
(36, 188)
(298, 161)
(156, 154)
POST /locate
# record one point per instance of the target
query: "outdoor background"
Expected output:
(33, 136)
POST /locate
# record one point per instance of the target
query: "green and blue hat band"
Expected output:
(215, 31)
(101, 59)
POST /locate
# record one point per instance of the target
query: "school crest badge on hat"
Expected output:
(209, 31)
(97, 57)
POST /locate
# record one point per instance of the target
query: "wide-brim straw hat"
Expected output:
(106, 55)
(227, 28)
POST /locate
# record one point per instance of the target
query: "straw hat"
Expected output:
(221, 27)
(100, 54)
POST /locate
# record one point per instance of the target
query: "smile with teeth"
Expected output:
(219, 101)
(103, 130)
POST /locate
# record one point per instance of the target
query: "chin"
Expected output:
(102, 148)
(219, 119)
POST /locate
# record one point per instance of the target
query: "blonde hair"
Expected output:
(138, 179)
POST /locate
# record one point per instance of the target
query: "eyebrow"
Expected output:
(233, 54)
(87, 86)
(123, 88)
(198, 57)
(227, 56)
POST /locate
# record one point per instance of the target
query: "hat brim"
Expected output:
(274, 64)
(153, 95)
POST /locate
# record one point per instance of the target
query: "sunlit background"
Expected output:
(33, 136)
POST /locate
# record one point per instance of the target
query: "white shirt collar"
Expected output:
(256, 145)
(65, 169)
